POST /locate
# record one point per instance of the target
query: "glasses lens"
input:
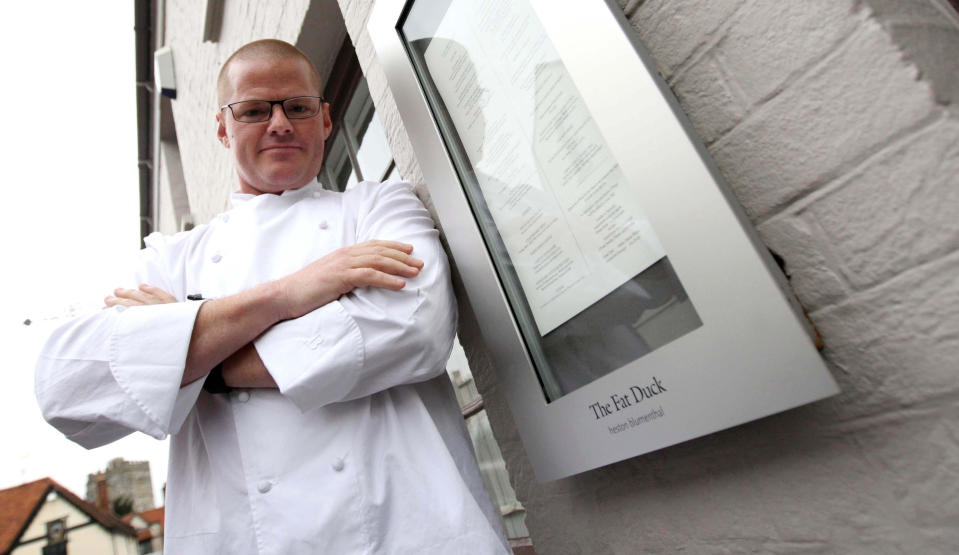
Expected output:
(251, 111)
(301, 107)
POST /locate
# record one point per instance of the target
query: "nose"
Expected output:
(279, 124)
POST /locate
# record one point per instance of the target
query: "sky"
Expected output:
(69, 218)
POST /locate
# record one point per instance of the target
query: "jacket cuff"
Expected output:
(314, 359)
(148, 352)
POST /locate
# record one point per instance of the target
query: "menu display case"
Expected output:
(625, 298)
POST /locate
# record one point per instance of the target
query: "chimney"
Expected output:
(103, 496)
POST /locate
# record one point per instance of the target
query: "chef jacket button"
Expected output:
(225, 218)
(243, 396)
(264, 486)
(338, 465)
(323, 224)
(120, 308)
(216, 258)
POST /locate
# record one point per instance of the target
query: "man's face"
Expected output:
(279, 154)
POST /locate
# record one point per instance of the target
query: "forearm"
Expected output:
(245, 369)
(224, 326)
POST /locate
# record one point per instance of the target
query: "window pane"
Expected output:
(394, 174)
(374, 155)
(338, 168)
(361, 121)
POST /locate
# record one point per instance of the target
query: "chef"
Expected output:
(293, 348)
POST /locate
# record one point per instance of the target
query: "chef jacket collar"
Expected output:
(236, 199)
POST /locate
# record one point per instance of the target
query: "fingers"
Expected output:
(389, 249)
(144, 295)
(380, 263)
(368, 277)
(395, 245)
(157, 293)
(386, 263)
(117, 301)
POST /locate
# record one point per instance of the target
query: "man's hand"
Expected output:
(145, 294)
(371, 264)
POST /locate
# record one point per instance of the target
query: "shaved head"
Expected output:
(265, 49)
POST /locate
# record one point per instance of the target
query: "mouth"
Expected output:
(279, 148)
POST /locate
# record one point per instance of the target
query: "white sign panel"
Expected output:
(557, 196)
(626, 301)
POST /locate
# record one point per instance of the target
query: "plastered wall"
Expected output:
(832, 122)
(846, 157)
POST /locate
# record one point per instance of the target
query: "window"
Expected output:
(56, 537)
(357, 149)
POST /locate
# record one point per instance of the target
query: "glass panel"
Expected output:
(373, 154)
(337, 172)
(394, 174)
(588, 280)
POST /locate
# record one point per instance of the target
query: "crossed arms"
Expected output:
(362, 319)
(225, 328)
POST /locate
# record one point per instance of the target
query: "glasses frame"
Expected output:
(272, 104)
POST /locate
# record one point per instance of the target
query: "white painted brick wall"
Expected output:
(207, 166)
(832, 122)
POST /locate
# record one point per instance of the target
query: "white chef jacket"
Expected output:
(361, 450)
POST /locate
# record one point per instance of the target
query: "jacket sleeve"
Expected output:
(372, 338)
(102, 376)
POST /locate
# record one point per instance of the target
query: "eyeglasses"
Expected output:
(255, 111)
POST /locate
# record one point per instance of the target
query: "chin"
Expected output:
(286, 180)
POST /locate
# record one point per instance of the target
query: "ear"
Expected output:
(221, 134)
(327, 121)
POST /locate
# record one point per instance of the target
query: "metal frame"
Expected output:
(752, 357)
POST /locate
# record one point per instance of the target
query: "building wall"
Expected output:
(846, 157)
(92, 538)
(125, 479)
(844, 151)
(207, 165)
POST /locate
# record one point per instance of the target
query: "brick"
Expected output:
(811, 262)
(355, 15)
(899, 211)
(773, 40)
(707, 100)
(896, 345)
(629, 7)
(858, 98)
(674, 29)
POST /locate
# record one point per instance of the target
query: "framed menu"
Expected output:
(606, 260)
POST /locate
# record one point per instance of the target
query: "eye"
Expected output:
(300, 107)
(252, 113)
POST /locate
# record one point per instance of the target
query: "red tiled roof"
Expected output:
(19, 504)
(152, 516)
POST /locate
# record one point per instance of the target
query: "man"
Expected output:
(339, 432)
